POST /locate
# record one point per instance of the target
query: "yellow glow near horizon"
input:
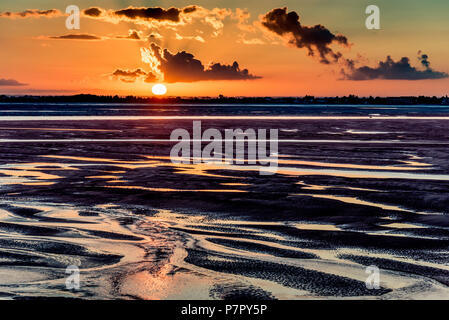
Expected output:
(159, 89)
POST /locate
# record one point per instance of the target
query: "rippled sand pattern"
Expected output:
(141, 227)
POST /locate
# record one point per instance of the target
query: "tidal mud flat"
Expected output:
(104, 195)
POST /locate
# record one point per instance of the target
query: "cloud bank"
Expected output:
(180, 67)
(140, 14)
(155, 17)
(183, 67)
(11, 83)
(394, 70)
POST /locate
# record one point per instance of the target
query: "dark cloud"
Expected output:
(394, 70)
(132, 35)
(183, 67)
(171, 15)
(424, 59)
(93, 12)
(127, 73)
(154, 36)
(151, 13)
(11, 83)
(316, 39)
(130, 76)
(31, 13)
(76, 37)
(190, 9)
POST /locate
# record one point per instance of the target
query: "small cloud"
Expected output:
(155, 36)
(196, 38)
(424, 59)
(252, 41)
(88, 37)
(131, 76)
(132, 35)
(394, 70)
(32, 13)
(190, 9)
(11, 83)
(152, 13)
(93, 12)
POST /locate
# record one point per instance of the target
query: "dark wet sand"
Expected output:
(308, 231)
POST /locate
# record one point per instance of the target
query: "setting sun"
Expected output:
(159, 89)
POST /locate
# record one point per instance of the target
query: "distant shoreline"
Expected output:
(306, 100)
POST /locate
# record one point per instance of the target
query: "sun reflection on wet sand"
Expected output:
(29, 173)
(176, 190)
(103, 177)
(352, 200)
(59, 129)
(398, 225)
(307, 186)
(199, 169)
(314, 226)
(327, 260)
(356, 166)
(224, 242)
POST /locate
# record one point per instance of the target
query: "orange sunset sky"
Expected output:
(282, 48)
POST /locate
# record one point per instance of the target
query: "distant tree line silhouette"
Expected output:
(351, 100)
